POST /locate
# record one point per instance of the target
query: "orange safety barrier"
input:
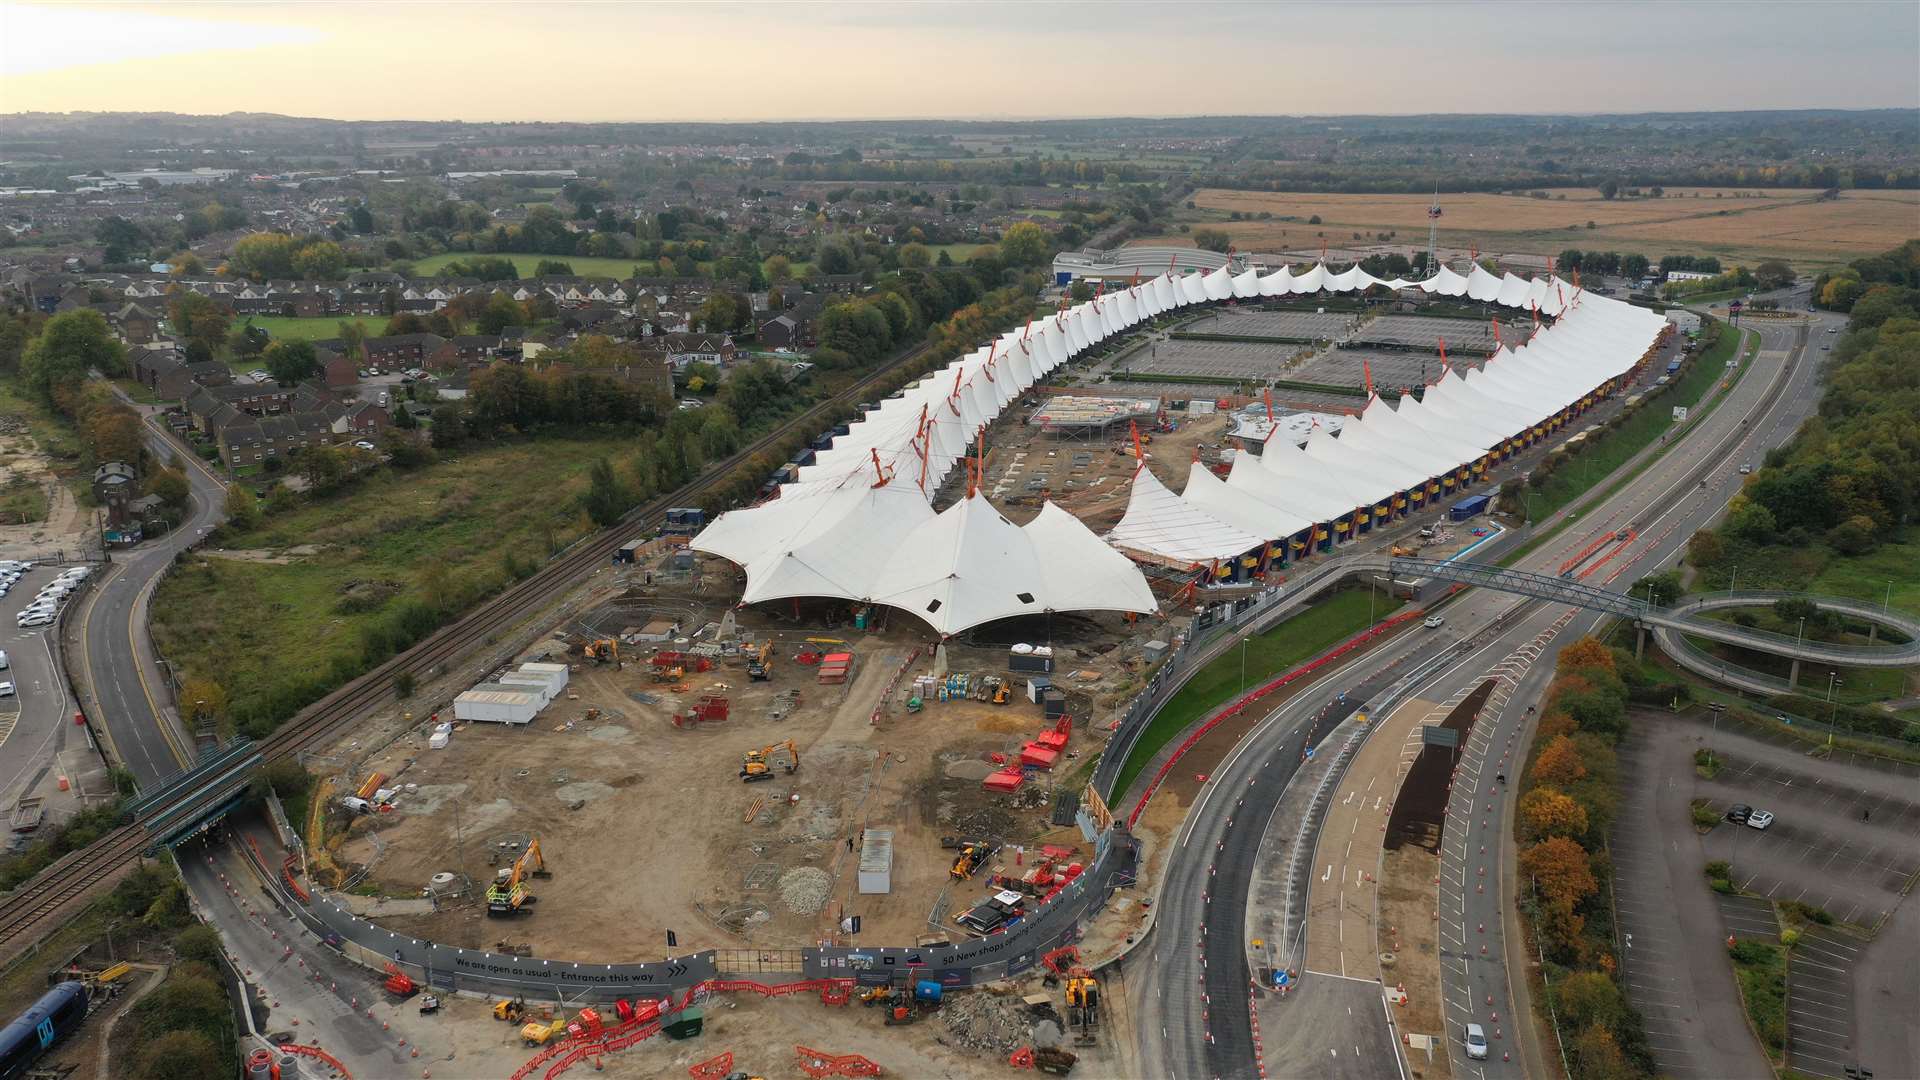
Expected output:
(714, 1068)
(820, 1063)
(319, 1055)
(1246, 700)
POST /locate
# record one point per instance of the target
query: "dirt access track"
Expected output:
(646, 827)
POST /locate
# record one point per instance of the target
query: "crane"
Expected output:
(509, 889)
(758, 764)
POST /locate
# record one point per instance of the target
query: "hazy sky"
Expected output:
(614, 60)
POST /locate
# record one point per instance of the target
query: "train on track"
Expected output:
(48, 1020)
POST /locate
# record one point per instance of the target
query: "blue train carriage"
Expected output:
(55, 1016)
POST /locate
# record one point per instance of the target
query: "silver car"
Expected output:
(1476, 1042)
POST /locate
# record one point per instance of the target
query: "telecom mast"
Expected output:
(1433, 231)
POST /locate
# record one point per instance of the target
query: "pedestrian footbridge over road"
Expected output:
(1689, 616)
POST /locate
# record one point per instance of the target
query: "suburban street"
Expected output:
(1204, 1028)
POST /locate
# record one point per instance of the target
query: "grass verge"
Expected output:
(318, 328)
(1615, 448)
(1286, 645)
(1760, 969)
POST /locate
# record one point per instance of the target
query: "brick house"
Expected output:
(402, 350)
(337, 370)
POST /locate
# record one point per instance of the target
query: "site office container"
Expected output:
(494, 703)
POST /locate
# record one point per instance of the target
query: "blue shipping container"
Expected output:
(1469, 507)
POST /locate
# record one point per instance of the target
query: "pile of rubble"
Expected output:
(981, 1021)
(804, 889)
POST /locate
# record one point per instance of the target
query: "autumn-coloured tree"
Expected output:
(1589, 997)
(1553, 724)
(1596, 1055)
(1559, 762)
(1563, 875)
(1588, 652)
(1546, 811)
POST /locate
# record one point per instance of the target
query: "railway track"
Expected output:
(24, 912)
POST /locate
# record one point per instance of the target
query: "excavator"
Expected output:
(972, 854)
(757, 669)
(759, 764)
(602, 651)
(512, 1010)
(1083, 1006)
(509, 889)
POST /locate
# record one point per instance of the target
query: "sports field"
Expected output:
(1739, 225)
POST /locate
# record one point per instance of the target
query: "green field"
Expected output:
(1308, 634)
(1866, 577)
(583, 265)
(276, 634)
(288, 328)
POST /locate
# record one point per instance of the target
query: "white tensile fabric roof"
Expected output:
(857, 522)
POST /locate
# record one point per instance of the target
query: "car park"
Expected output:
(1434, 622)
(1738, 813)
(1476, 1042)
(1759, 819)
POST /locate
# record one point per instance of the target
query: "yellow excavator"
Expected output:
(509, 889)
(602, 651)
(759, 764)
(512, 1010)
(757, 669)
(1083, 1006)
(972, 854)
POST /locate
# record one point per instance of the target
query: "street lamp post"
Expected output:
(1243, 663)
(1800, 633)
(1833, 708)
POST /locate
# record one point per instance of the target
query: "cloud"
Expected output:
(36, 38)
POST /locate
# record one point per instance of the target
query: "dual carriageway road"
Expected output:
(1192, 998)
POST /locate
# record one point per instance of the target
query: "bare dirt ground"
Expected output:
(66, 524)
(1090, 477)
(1407, 906)
(646, 827)
(970, 1037)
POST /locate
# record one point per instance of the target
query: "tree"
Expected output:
(109, 428)
(501, 312)
(1858, 535)
(547, 267)
(291, 362)
(1024, 244)
(1080, 291)
(1609, 188)
(1588, 652)
(1658, 589)
(203, 700)
(171, 485)
(122, 239)
(779, 269)
(1750, 521)
(1773, 274)
(70, 344)
(1569, 260)
(197, 318)
(1560, 868)
(1634, 266)
(353, 339)
(323, 466)
(200, 943)
(1545, 811)
(1596, 1056)
(1559, 762)
(265, 255)
(243, 508)
(321, 260)
(1211, 239)
(248, 340)
(606, 501)
(1589, 997)
(181, 1055)
(1705, 548)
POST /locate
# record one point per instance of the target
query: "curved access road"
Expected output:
(109, 653)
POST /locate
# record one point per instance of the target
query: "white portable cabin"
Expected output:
(876, 861)
(496, 703)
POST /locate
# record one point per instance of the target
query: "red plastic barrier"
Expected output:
(319, 1055)
(1250, 697)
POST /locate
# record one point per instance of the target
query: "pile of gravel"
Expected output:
(804, 889)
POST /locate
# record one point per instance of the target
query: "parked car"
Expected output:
(1434, 622)
(363, 444)
(1759, 819)
(6, 689)
(30, 619)
(4, 664)
(1738, 813)
(1476, 1042)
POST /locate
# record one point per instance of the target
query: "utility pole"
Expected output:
(1243, 662)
